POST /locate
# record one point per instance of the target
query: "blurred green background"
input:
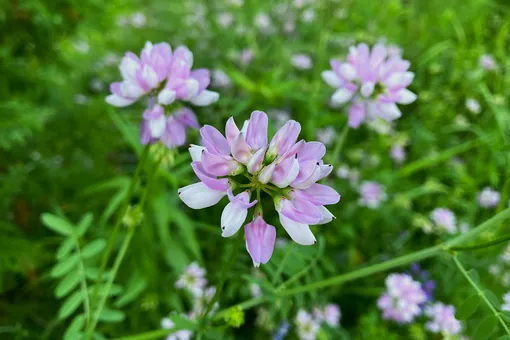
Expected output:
(63, 150)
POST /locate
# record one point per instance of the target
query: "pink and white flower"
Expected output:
(372, 194)
(488, 198)
(373, 82)
(284, 168)
(193, 279)
(401, 302)
(442, 319)
(444, 220)
(487, 62)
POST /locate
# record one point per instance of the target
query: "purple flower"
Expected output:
(301, 61)
(162, 74)
(330, 314)
(372, 194)
(372, 81)
(193, 279)
(442, 319)
(487, 62)
(401, 302)
(444, 220)
(488, 198)
(398, 154)
(282, 331)
(285, 169)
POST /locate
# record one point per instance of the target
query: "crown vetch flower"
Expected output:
(244, 162)
(373, 81)
(193, 279)
(488, 198)
(401, 302)
(372, 194)
(444, 220)
(442, 319)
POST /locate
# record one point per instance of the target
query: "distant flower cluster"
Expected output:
(308, 324)
(193, 281)
(372, 194)
(164, 77)
(488, 198)
(372, 81)
(405, 299)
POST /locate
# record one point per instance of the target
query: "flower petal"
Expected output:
(341, 96)
(300, 210)
(166, 97)
(218, 165)
(256, 135)
(260, 240)
(320, 194)
(232, 218)
(241, 150)
(119, 101)
(205, 98)
(299, 232)
(327, 216)
(256, 161)
(214, 141)
(199, 196)
(196, 152)
(331, 78)
(210, 181)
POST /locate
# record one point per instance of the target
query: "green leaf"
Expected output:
(73, 331)
(505, 315)
(65, 266)
(187, 230)
(485, 328)
(504, 337)
(70, 305)
(467, 307)
(135, 286)
(110, 315)
(93, 274)
(57, 224)
(65, 248)
(473, 274)
(68, 283)
(93, 248)
(85, 223)
(493, 299)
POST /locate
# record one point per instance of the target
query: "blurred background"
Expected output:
(63, 150)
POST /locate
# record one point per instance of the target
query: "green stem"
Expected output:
(494, 242)
(480, 293)
(223, 277)
(83, 282)
(340, 279)
(339, 144)
(118, 223)
(118, 260)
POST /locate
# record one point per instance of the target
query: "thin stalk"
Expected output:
(223, 277)
(480, 293)
(83, 282)
(118, 260)
(118, 223)
(298, 275)
(282, 265)
(339, 144)
(491, 243)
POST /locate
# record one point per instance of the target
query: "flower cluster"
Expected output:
(488, 198)
(308, 324)
(442, 319)
(372, 194)
(506, 299)
(444, 220)
(164, 77)
(373, 81)
(401, 302)
(193, 279)
(243, 163)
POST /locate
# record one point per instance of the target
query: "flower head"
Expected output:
(487, 62)
(307, 326)
(444, 220)
(372, 194)
(488, 198)
(473, 105)
(330, 314)
(506, 300)
(193, 279)
(398, 154)
(246, 162)
(442, 319)
(301, 61)
(401, 302)
(374, 82)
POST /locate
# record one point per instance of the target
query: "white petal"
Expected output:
(232, 218)
(166, 97)
(367, 89)
(192, 87)
(299, 232)
(118, 101)
(196, 152)
(199, 196)
(150, 77)
(341, 96)
(327, 216)
(128, 67)
(347, 71)
(245, 127)
(205, 98)
(331, 78)
(131, 89)
(266, 173)
(406, 96)
(389, 111)
(157, 126)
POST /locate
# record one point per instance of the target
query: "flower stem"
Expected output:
(118, 223)
(232, 256)
(494, 242)
(339, 144)
(480, 293)
(120, 256)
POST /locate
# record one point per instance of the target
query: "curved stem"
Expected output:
(494, 242)
(480, 293)
(339, 144)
